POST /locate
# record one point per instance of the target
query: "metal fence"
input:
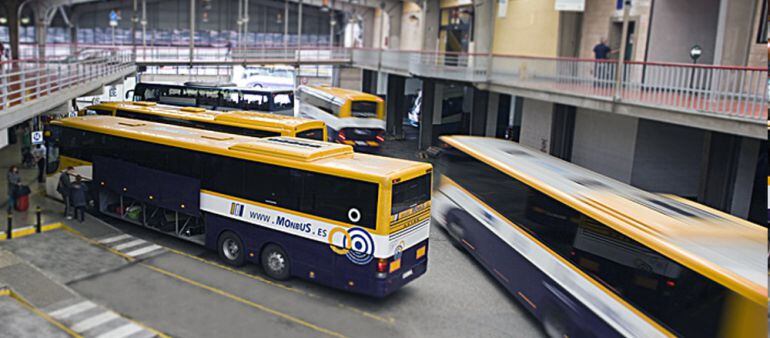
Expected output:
(29, 79)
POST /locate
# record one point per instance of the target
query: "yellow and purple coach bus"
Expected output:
(593, 257)
(298, 207)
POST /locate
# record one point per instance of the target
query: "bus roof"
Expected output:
(239, 118)
(226, 86)
(722, 247)
(346, 94)
(326, 157)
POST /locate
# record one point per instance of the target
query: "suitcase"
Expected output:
(22, 203)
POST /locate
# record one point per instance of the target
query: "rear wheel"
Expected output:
(231, 249)
(455, 231)
(276, 262)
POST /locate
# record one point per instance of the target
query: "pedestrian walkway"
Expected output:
(91, 320)
(132, 247)
(19, 321)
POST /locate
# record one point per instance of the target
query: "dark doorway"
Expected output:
(562, 131)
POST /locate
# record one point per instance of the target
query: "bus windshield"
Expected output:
(411, 193)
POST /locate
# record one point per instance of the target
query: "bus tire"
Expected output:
(452, 229)
(275, 262)
(554, 326)
(231, 250)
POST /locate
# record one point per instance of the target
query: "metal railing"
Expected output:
(29, 79)
(737, 92)
(180, 54)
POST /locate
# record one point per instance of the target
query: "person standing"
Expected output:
(26, 146)
(63, 188)
(39, 157)
(78, 193)
(14, 183)
(602, 51)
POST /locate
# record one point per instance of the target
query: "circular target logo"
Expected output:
(361, 246)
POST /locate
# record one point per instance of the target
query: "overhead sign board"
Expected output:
(37, 137)
(570, 5)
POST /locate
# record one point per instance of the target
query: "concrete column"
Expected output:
(735, 32)
(74, 38)
(369, 81)
(41, 31)
(493, 111)
(718, 170)
(395, 105)
(432, 12)
(394, 13)
(479, 112)
(744, 177)
(536, 120)
(427, 108)
(13, 31)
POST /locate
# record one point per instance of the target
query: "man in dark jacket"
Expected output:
(78, 197)
(63, 188)
(14, 183)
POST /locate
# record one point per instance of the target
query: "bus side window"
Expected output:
(333, 197)
(270, 184)
(223, 175)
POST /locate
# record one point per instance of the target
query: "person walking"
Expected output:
(63, 187)
(39, 157)
(26, 146)
(78, 193)
(14, 183)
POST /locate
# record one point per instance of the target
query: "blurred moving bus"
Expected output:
(304, 208)
(276, 101)
(590, 256)
(352, 117)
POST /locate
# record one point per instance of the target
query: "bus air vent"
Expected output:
(217, 138)
(132, 124)
(294, 148)
(192, 109)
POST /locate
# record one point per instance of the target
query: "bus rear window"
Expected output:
(411, 193)
(363, 109)
(313, 134)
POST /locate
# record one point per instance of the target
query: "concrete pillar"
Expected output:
(735, 32)
(395, 105)
(718, 170)
(427, 108)
(493, 112)
(479, 112)
(13, 31)
(536, 120)
(744, 177)
(73, 38)
(41, 30)
(348, 77)
(369, 81)
(483, 26)
(432, 12)
(394, 13)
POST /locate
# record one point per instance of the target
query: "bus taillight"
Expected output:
(382, 268)
(341, 135)
(379, 136)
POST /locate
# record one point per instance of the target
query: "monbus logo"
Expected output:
(236, 209)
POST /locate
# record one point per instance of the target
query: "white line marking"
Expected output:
(72, 310)
(94, 321)
(123, 331)
(121, 247)
(114, 239)
(144, 250)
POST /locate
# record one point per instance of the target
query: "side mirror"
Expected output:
(130, 95)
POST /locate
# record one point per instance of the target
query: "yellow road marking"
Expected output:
(388, 320)
(30, 230)
(245, 301)
(26, 304)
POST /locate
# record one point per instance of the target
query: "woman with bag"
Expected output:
(14, 183)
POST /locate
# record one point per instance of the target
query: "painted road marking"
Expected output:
(131, 244)
(94, 321)
(114, 239)
(121, 332)
(72, 310)
(144, 250)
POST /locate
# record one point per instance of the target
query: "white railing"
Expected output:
(26, 80)
(734, 91)
(181, 54)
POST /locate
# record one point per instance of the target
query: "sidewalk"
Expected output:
(52, 211)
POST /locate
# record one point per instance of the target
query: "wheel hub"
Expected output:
(230, 249)
(275, 261)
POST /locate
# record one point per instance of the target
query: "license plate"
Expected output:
(406, 274)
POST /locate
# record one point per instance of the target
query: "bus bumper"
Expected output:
(396, 280)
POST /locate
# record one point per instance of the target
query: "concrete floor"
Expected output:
(18, 321)
(183, 291)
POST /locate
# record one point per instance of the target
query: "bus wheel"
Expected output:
(276, 262)
(231, 249)
(554, 325)
(454, 230)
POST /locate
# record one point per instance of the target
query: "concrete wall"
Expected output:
(668, 158)
(757, 51)
(432, 20)
(605, 143)
(3, 138)
(677, 25)
(530, 27)
(598, 16)
(349, 77)
(536, 122)
(736, 31)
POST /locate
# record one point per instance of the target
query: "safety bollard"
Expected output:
(9, 230)
(38, 225)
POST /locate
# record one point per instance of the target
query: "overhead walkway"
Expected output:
(727, 99)
(29, 87)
